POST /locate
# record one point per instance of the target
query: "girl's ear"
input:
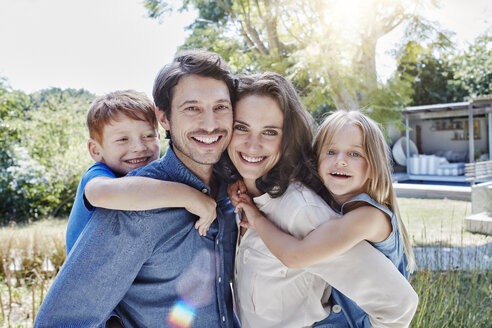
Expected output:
(95, 150)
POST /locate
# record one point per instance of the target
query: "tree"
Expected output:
(474, 66)
(327, 48)
(43, 138)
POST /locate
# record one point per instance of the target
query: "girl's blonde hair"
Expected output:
(377, 152)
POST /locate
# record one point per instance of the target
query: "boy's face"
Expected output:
(127, 144)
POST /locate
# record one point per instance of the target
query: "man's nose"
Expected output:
(209, 122)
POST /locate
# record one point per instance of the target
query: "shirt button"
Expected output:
(336, 308)
(220, 279)
(217, 241)
(223, 318)
(204, 190)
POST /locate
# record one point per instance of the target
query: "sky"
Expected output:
(105, 45)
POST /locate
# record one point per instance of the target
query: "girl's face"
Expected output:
(343, 165)
(256, 141)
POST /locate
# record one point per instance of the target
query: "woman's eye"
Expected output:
(240, 127)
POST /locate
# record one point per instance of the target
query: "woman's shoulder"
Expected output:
(299, 194)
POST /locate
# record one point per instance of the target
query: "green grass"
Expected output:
(446, 298)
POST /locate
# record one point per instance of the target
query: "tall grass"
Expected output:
(31, 256)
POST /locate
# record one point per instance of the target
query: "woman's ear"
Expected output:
(95, 150)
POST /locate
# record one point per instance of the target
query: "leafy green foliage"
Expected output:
(326, 48)
(43, 139)
(474, 66)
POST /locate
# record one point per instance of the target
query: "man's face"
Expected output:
(200, 122)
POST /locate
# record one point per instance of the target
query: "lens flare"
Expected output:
(181, 315)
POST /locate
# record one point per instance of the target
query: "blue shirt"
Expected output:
(82, 210)
(152, 267)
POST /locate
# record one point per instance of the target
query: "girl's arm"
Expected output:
(328, 240)
(141, 193)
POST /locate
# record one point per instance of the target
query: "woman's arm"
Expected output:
(332, 238)
(140, 193)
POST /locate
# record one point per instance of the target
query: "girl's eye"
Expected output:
(354, 154)
(149, 136)
(330, 152)
(271, 132)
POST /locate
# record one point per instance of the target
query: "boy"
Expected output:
(124, 135)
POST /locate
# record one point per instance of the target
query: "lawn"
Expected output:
(449, 298)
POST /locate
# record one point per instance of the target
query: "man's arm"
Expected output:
(98, 271)
(367, 277)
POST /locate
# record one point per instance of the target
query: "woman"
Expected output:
(271, 151)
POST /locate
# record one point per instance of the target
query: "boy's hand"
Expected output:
(235, 190)
(250, 213)
(204, 207)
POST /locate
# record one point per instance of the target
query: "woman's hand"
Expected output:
(235, 190)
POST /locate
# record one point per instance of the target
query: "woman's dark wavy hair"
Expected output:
(297, 159)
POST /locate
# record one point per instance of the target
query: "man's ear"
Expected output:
(95, 150)
(161, 118)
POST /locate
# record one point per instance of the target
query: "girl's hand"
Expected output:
(204, 207)
(235, 190)
(250, 213)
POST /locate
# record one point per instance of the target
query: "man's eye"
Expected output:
(222, 107)
(191, 108)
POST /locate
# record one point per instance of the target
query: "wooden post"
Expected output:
(471, 137)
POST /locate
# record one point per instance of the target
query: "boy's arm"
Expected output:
(330, 239)
(141, 193)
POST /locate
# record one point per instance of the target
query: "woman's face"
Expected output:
(256, 141)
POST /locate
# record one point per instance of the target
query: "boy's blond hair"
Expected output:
(130, 103)
(380, 186)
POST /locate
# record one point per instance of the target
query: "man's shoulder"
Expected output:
(155, 169)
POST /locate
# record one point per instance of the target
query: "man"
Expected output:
(152, 266)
